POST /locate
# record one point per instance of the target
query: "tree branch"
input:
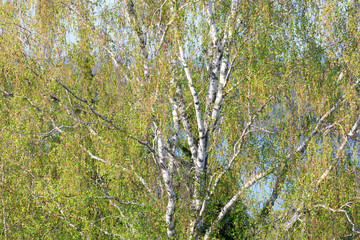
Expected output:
(144, 183)
(301, 148)
(106, 119)
(170, 209)
(233, 200)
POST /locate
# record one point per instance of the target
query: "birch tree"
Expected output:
(176, 119)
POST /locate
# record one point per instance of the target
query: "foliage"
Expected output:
(179, 119)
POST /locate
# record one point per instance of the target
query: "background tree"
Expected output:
(179, 119)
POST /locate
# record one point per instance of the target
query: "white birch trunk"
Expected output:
(140, 35)
(170, 209)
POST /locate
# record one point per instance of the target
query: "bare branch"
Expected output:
(237, 149)
(341, 209)
(119, 167)
(297, 216)
(106, 119)
(63, 217)
(233, 200)
(340, 150)
(132, 229)
(101, 230)
(301, 148)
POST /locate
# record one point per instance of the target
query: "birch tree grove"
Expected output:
(176, 119)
